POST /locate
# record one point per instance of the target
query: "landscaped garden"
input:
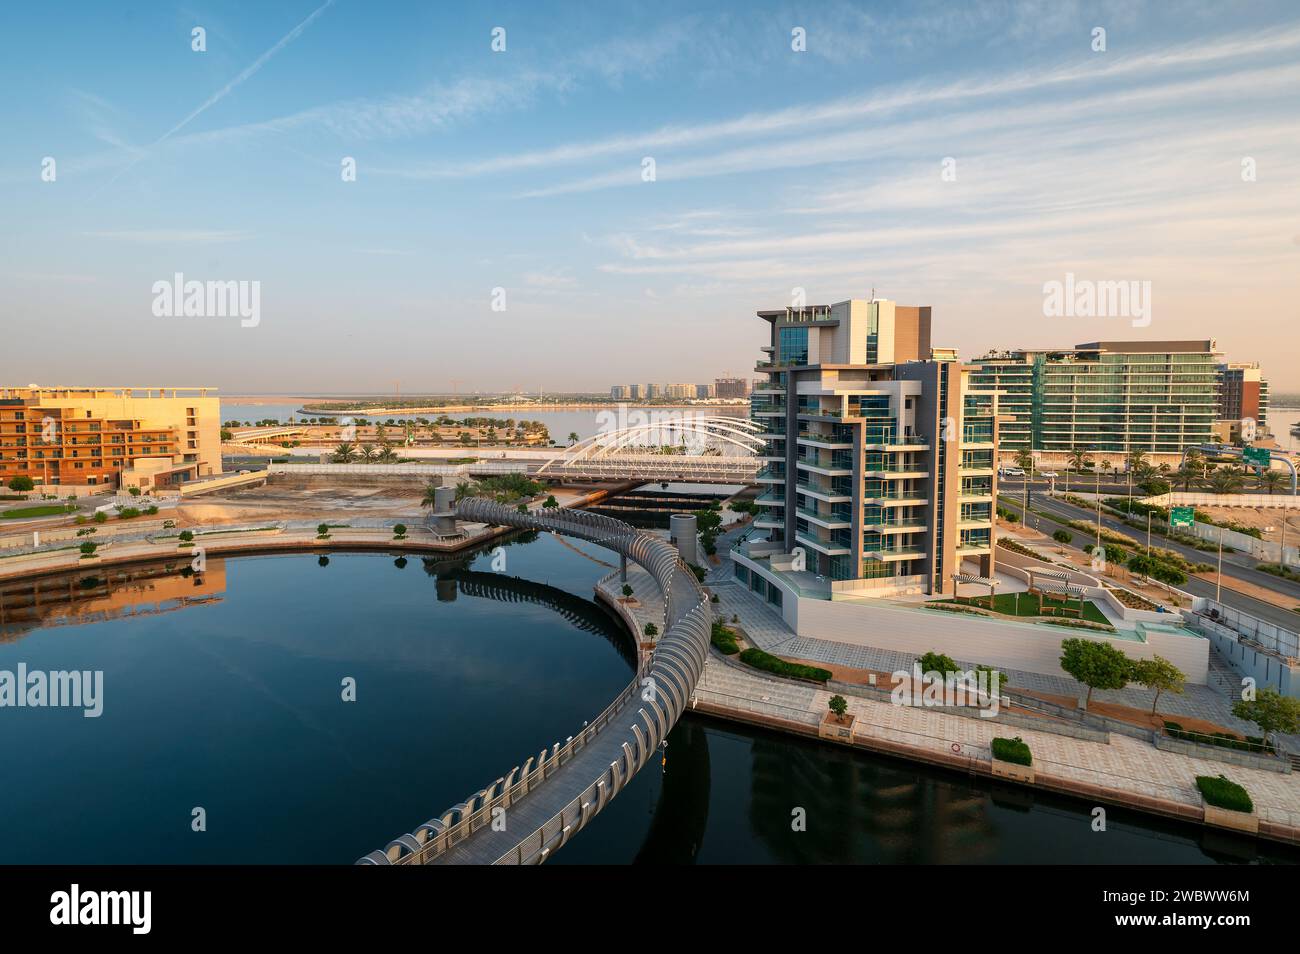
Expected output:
(1028, 604)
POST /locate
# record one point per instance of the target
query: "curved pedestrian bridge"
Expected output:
(535, 808)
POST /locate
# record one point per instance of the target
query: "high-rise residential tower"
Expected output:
(879, 458)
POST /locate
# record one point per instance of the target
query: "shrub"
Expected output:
(100, 517)
(937, 662)
(399, 530)
(1012, 750)
(1222, 793)
(88, 549)
(627, 590)
(151, 509)
(779, 667)
(723, 639)
(133, 491)
(699, 572)
(81, 518)
(1062, 536)
(126, 513)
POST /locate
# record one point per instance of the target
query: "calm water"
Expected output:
(223, 691)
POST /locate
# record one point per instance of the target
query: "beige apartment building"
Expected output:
(879, 458)
(146, 437)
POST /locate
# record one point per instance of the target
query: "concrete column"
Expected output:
(622, 568)
(682, 530)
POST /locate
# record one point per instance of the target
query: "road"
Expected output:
(1237, 566)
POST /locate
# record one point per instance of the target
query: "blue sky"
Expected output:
(775, 170)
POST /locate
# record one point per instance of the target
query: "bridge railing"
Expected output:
(670, 673)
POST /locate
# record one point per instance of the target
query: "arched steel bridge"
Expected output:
(696, 448)
(534, 809)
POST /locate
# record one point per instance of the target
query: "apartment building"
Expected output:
(1243, 395)
(730, 388)
(1107, 397)
(879, 449)
(146, 437)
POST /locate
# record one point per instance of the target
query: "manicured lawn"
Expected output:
(51, 510)
(1026, 604)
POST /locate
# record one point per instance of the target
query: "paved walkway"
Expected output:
(768, 631)
(1123, 766)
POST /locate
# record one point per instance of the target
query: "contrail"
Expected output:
(248, 71)
(221, 94)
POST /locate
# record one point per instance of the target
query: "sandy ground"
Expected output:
(1266, 519)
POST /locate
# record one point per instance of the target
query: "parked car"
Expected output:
(1011, 472)
(1049, 474)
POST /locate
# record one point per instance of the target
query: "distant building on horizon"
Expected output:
(730, 388)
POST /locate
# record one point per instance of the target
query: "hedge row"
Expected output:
(724, 639)
(779, 667)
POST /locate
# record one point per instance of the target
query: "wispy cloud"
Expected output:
(172, 236)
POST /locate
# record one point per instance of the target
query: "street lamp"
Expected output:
(1218, 577)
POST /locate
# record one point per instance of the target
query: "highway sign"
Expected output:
(1182, 517)
(1259, 456)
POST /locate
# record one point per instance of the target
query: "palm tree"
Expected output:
(345, 453)
(430, 498)
(1194, 460)
(573, 438)
(368, 453)
(1137, 460)
(1025, 460)
(1272, 479)
(464, 489)
(387, 455)
(1079, 458)
(1224, 482)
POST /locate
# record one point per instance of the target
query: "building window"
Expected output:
(794, 346)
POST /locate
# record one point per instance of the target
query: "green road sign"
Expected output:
(1182, 517)
(1259, 456)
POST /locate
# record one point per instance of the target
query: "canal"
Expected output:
(224, 692)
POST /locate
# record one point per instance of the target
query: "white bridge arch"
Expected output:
(697, 448)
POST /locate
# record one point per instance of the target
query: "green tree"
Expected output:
(322, 530)
(88, 549)
(1159, 674)
(399, 530)
(21, 484)
(551, 503)
(938, 662)
(839, 705)
(1062, 536)
(1224, 482)
(1024, 460)
(345, 453)
(1096, 665)
(1079, 458)
(651, 629)
(627, 591)
(1271, 711)
(1270, 480)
